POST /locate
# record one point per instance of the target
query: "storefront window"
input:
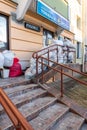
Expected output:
(3, 32)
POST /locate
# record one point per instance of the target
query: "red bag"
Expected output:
(15, 60)
(15, 69)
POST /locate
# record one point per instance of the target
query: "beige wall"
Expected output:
(76, 11)
(68, 35)
(7, 7)
(84, 22)
(23, 42)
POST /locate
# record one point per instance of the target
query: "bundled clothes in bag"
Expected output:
(15, 69)
(8, 58)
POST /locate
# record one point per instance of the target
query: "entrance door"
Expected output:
(47, 37)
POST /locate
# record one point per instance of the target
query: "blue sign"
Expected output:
(50, 14)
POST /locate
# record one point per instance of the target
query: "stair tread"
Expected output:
(71, 121)
(48, 116)
(19, 88)
(41, 110)
(26, 96)
(84, 127)
(27, 110)
(36, 104)
(5, 122)
(10, 82)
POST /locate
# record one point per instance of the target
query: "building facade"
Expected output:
(75, 8)
(26, 26)
(84, 28)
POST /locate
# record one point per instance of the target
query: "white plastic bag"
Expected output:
(28, 73)
(71, 57)
(24, 64)
(8, 58)
(59, 42)
(1, 60)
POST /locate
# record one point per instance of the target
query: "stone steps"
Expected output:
(28, 110)
(25, 96)
(70, 121)
(12, 82)
(84, 127)
(47, 118)
(19, 89)
(42, 110)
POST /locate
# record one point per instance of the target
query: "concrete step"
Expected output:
(70, 121)
(25, 96)
(84, 126)
(5, 122)
(12, 82)
(29, 111)
(18, 90)
(40, 109)
(47, 118)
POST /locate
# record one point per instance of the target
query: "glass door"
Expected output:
(47, 37)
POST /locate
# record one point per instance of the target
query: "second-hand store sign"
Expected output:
(32, 27)
(50, 14)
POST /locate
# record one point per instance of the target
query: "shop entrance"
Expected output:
(47, 37)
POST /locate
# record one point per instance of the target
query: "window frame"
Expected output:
(7, 31)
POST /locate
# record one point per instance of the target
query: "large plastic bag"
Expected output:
(24, 64)
(59, 42)
(34, 70)
(1, 60)
(28, 73)
(71, 57)
(65, 57)
(68, 43)
(15, 69)
(8, 58)
(60, 50)
(60, 59)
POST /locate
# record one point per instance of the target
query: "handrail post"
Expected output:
(42, 70)
(61, 82)
(36, 64)
(48, 56)
(57, 55)
(18, 127)
(53, 79)
(67, 54)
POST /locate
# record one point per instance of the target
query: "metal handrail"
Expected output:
(47, 51)
(16, 117)
(65, 66)
(61, 72)
(35, 54)
(50, 48)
